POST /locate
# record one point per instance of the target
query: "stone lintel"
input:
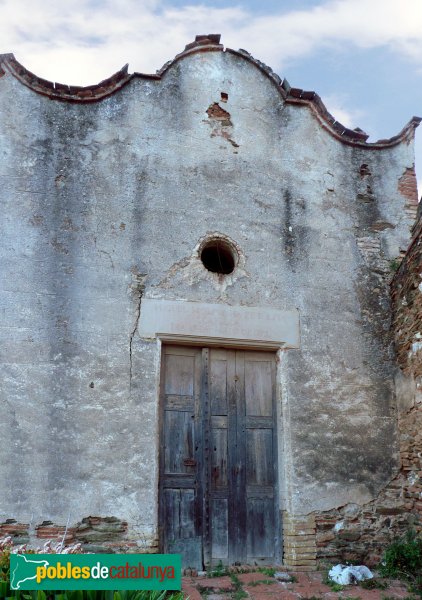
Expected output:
(219, 324)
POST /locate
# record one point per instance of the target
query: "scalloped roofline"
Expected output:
(203, 43)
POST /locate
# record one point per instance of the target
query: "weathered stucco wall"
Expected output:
(105, 203)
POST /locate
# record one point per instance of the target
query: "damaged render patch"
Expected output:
(220, 121)
(190, 269)
(215, 111)
(407, 185)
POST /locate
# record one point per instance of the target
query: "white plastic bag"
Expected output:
(347, 575)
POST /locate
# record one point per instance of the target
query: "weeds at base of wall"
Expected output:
(270, 571)
(239, 593)
(373, 584)
(261, 582)
(50, 547)
(403, 560)
(219, 570)
(335, 587)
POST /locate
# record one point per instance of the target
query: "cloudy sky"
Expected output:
(363, 57)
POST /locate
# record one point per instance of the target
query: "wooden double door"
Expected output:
(218, 456)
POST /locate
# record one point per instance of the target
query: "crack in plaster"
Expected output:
(138, 288)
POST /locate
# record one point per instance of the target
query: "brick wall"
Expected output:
(96, 534)
(407, 309)
(299, 550)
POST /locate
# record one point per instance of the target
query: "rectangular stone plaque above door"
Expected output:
(197, 323)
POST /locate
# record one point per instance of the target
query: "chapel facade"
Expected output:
(200, 350)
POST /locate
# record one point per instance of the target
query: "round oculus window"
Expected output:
(218, 256)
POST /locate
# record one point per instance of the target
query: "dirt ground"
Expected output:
(261, 586)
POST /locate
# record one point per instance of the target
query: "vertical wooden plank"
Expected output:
(199, 453)
(179, 374)
(187, 514)
(277, 514)
(237, 514)
(180, 496)
(218, 383)
(219, 458)
(205, 472)
(178, 442)
(262, 525)
(258, 388)
(259, 457)
(171, 523)
(222, 427)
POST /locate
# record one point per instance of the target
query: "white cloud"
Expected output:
(86, 40)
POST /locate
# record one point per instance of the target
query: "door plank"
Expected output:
(222, 426)
(187, 516)
(181, 447)
(238, 482)
(218, 384)
(262, 525)
(258, 388)
(259, 457)
(179, 375)
(178, 442)
(219, 458)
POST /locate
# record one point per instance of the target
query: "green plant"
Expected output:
(5, 564)
(239, 592)
(218, 571)
(373, 584)
(6, 546)
(261, 582)
(394, 265)
(403, 559)
(335, 587)
(270, 571)
(416, 585)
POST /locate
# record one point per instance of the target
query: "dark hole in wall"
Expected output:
(218, 257)
(364, 170)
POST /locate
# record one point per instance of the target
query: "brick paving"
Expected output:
(258, 586)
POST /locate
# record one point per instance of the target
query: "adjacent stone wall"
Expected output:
(407, 306)
(355, 532)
